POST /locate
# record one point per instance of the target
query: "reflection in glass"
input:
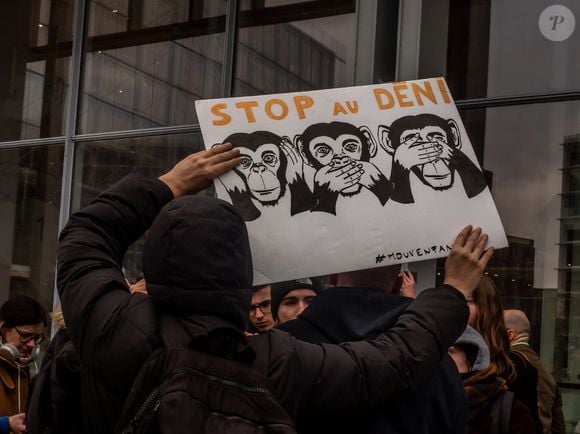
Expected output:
(277, 53)
(147, 62)
(497, 48)
(531, 154)
(30, 187)
(36, 44)
(100, 164)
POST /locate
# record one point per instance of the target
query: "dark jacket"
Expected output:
(549, 397)
(438, 405)
(483, 389)
(525, 386)
(198, 267)
(54, 400)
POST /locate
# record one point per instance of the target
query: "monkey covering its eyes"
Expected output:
(429, 147)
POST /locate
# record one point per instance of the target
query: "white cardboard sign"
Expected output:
(352, 178)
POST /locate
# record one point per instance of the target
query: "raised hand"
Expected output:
(196, 171)
(408, 287)
(468, 258)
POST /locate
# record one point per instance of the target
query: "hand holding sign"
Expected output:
(468, 258)
(392, 161)
(196, 171)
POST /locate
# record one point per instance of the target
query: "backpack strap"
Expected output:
(501, 411)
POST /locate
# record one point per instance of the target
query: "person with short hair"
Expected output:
(290, 298)
(549, 397)
(261, 319)
(22, 324)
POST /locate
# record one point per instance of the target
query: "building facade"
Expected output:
(92, 89)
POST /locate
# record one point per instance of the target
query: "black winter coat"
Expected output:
(195, 241)
(438, 405)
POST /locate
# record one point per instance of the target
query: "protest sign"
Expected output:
(352, 178)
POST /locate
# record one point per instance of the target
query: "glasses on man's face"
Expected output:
(26, 337)
(264, 306)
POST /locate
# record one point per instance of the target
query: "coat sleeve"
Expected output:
(362, 375)
(93, 243)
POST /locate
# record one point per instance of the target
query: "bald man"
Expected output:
(549, 398)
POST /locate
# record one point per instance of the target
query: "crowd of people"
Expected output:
(195, 348)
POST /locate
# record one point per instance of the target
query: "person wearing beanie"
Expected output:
(492, 408)
(290, 298)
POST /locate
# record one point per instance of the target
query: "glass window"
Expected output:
(36, 46)
(530, 156)
(147, 62)
(497, 48)
(292, 47)
(100, 164)
(30, 188)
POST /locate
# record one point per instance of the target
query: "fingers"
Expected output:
(355, 179)
(219, 148)
(224, 167)
(472, 239)
(462, 237)
(481, 244)
(291, 153)
(222, 156)
(351, 173)
(484, 259)
(410, 139)
(430, 153)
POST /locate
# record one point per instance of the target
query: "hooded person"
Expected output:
(492, 408)
(198, 269)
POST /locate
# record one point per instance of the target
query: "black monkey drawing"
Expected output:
(436, 170)
(340, 153)
(269, 167)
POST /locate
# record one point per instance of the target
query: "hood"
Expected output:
(343, 314)
(475, 348)
(197, 260)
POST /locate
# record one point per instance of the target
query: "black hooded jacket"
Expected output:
(198, 269)
(438, 405)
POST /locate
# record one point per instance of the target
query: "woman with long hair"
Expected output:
(486, 316)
